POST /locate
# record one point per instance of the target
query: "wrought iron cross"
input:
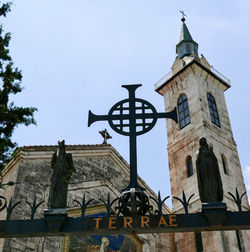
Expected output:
(132, 117)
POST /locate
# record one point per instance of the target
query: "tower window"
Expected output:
(183, 111)
(180, 51)
(195, 50)
(213, 110)
(224, 164)
(190, 170)
(188, 49)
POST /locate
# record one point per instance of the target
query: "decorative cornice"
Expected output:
(194, 61)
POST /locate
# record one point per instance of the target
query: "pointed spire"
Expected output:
(187, 46)
(185, 34)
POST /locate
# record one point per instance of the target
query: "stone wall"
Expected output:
(99, 170)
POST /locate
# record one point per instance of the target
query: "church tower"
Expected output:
(197, 90)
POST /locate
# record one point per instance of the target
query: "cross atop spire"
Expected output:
(183, 16)
(186, 46)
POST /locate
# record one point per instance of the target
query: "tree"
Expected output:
(10, 83)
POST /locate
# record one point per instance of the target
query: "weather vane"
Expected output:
(132, 117)
(183, 16)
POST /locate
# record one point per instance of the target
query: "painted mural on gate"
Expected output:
(107, 243)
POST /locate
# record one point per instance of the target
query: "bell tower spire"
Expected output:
(186, 46)
(197, 90)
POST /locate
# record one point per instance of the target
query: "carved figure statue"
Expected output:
(62, 165)
(208, 174)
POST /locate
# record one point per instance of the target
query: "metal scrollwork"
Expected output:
(3, 203)
(237, 199)
(159, 203)
(34, 207)
(3, 200)
(10, 208)
(84, 204)
(184, 201)
(108, 204)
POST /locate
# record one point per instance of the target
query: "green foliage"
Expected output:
(10, 83)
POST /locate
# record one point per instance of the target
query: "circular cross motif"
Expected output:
(124, 115)
(133, 202)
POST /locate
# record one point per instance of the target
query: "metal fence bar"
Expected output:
(193, 222)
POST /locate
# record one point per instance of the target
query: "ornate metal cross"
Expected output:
(132, 117)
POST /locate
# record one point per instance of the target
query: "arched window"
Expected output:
(190, 170)
(183, 111)
(181, 51)
(224, 164)
(213, 110)
(188, 49)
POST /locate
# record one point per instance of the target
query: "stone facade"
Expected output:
(192, 76)
(99, 170)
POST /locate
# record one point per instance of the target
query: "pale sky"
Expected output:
(75, 55)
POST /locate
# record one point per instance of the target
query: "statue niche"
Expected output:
(208, 174)
(63, 167)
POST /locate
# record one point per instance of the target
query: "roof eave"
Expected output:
(194, 61)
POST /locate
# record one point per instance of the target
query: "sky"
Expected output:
(75, 55)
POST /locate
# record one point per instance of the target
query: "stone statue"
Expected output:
(62, 165)
(208, 174)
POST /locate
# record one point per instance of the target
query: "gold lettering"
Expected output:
(162, 222)
(144, 221)
(172, 219)
(97, 222)
(112, 222)
(127, 222)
